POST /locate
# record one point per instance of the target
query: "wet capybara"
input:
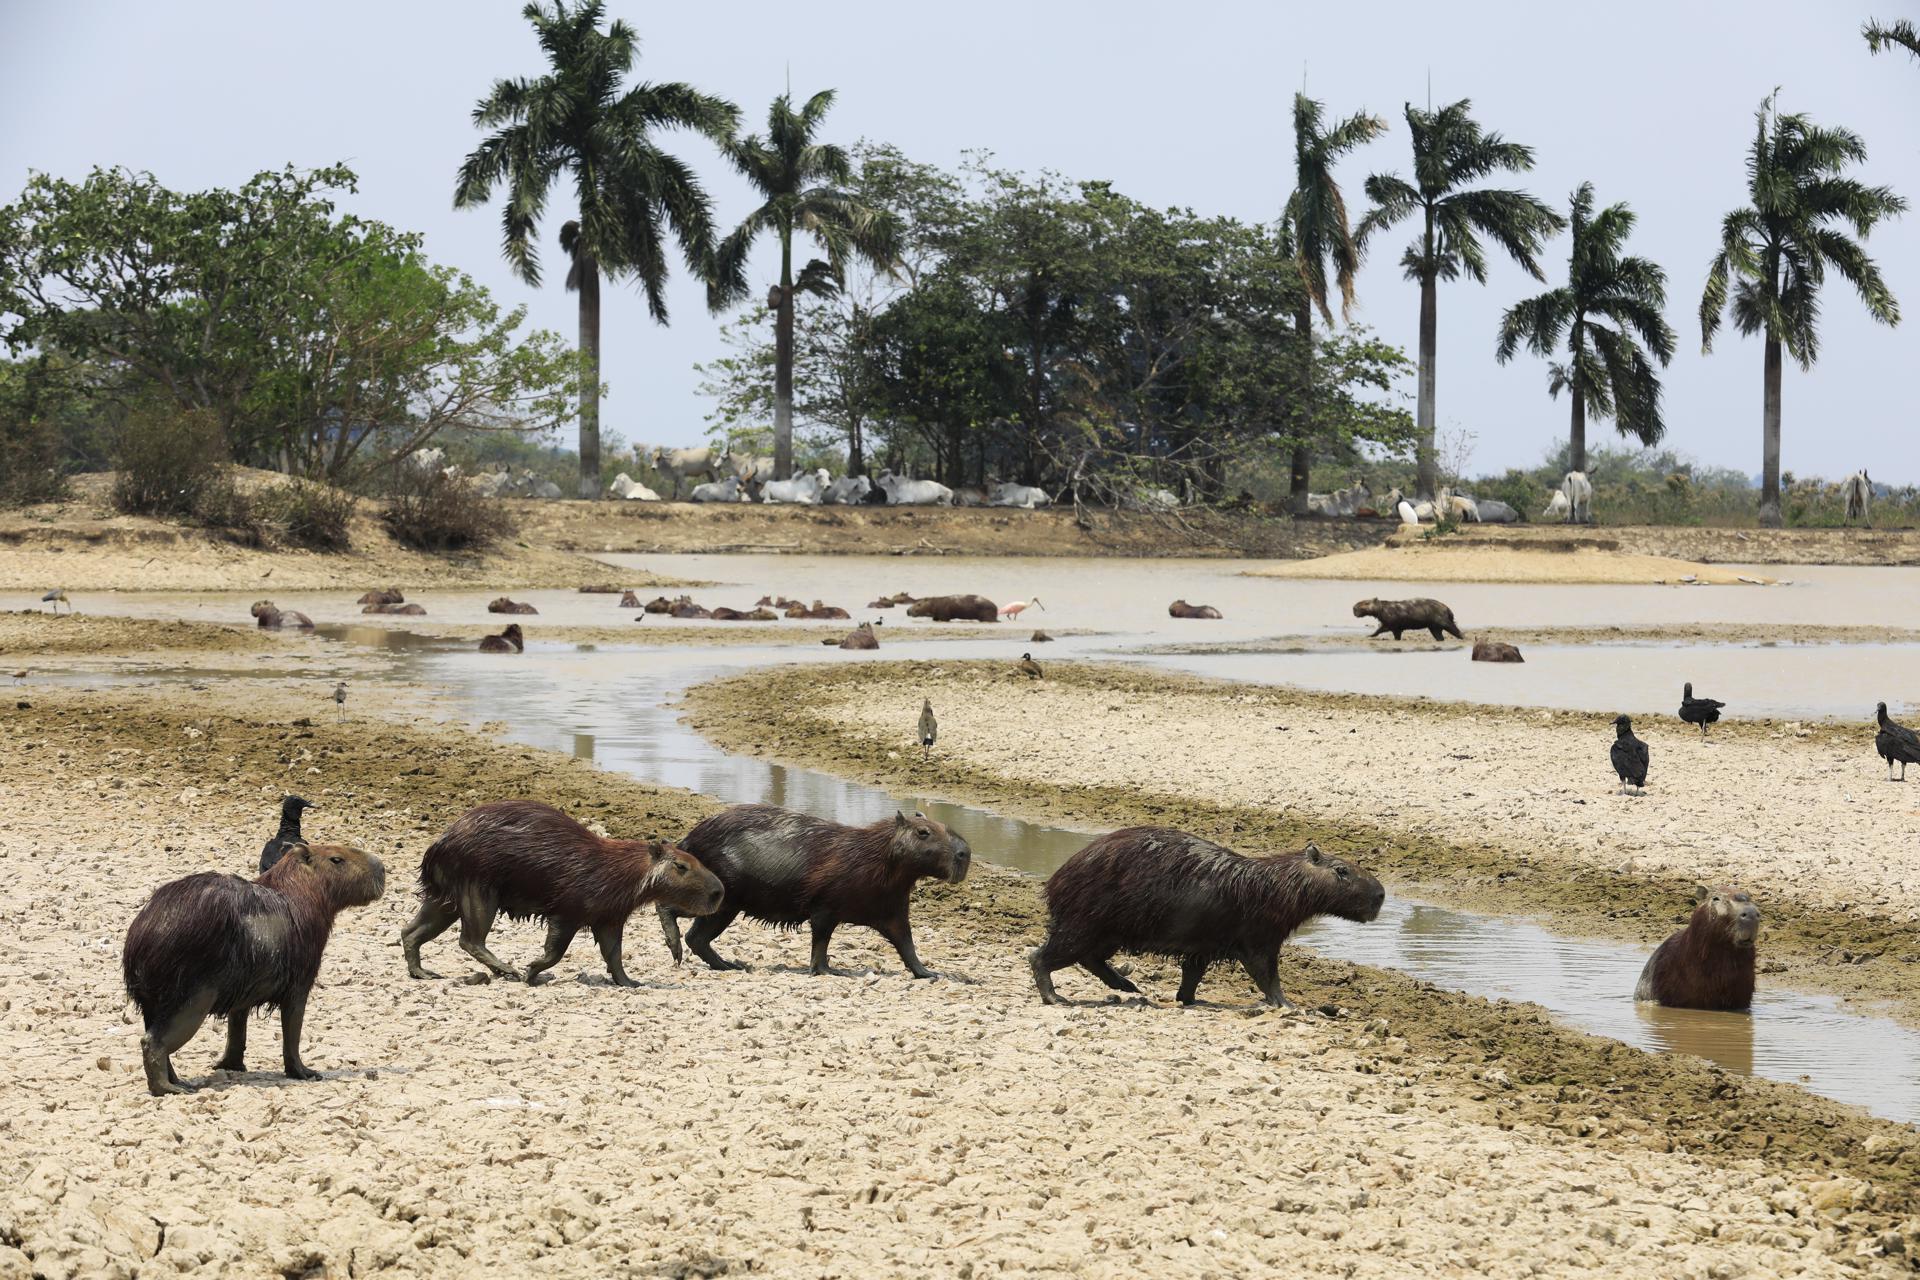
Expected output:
(788, 868)
(386, 595)
(1708, 964)
(1158, 891)
(409, 610)
(955, 609)
(508, 641)
(216, 944)
(861, 637)
(684, 607)
(1181, 609)
(882, 603)
(659, 604)
(628, 600)
(1495, 651)
(1408, 615)
(534, 862)
(501, 604)
(271, 615)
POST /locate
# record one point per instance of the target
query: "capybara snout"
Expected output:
(960, 859)
(1742, 917)
(687, 886)
(350, 877)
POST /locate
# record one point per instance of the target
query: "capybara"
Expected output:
(684, 607)
(601, 589)
(408, 610)
(1040, 637)
(901, 597)
(216, 944)
(1159, 891)
(508, 641)
(1708, 964)
(788, 868)
(659, 604)
(827, 612)
(1181, 609)
(861, 637)
(882, 603)
(1408, 615)
(386, 595)
(724, 614)
(289, 833)
(1495, 651)
(628, 600)
(955, 609)
(271, 615)
(534, 862)
(502, 604)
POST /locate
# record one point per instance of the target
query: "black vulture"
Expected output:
(289, 833)
(1629, 756)
(1895, 742)
(1028, 667)
(929, 728)
(1700, 711)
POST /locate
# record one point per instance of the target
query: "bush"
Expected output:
(433, 512)
(316, 516)
(30, 469)
(168, 459)
(222, 504)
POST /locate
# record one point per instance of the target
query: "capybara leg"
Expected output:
(1105, 971)
(1043, 975)
(705, 929)
(822, 934)
(1454, 630)
(1380, 631)
(609, 937)
(477, 913)
(235, 1058)
(432, 920)
(293, 1012)
(559, 938)
(1192, 969)
(670, 929)
(1264, 969)
(161, 1041)
(1396, 633)
(1436, 632)
(900, 934)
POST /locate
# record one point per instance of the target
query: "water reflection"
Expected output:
(1727, 1038)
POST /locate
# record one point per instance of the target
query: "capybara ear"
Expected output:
(306, 854)
(1313, 853)
(1701, 893)
(899, 819)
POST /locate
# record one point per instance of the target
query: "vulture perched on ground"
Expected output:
(1629, 756)
(1895, 742)
(1700, 711)
(289, 833)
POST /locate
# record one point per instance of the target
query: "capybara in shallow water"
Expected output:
(1181, 609)
(788, 868)
(534, 862)
(861, 637)
(955, 609)
(502, 604)
(386, 595)
(271, 615)
(659, 604)
(409, 610)
(216, 944)
(1495, 651)
(684, 607)
(628, 600)
(508, 641)
(1408, 615)
(1160, 891)
(1708, 964)
(882, 603)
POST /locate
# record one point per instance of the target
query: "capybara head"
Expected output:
(1336, 887)
(1731, 914)
(1366, 607)
(685, 884)
(514, 636)
(922, 843)
(345, 876)
(263, 608)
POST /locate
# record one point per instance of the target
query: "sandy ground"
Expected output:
(773, 1122)
(1511, 809)
(1411, 558)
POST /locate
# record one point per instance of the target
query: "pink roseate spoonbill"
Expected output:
(1019, 607)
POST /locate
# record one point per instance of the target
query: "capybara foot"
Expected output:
(926, 973)
(229, 1063)
(164, 1087)
(301, 1071)
(416, 971)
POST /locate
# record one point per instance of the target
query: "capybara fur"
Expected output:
(271, 615)
(724, 614)
(508, 641)
(788, 869)
(1708, 964)
(535, 863)
(1181, 609)
(628, 600)
(955, 609)
(684, 607)
(214, 944)
(828, 612)
(409, 610)
(385, 595)
(1409, 615)
(1158, 891)
(1495, 651)
(501, 604)
(861, 637)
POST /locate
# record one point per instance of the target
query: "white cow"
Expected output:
(1024, 496)
(727, 490)
(805, 490)
(624, 486)
(1858, 491)
(1557, 506)
(1579, 495)
(1457, 506)
(679, 464)
(902, 492)
(752, 469)
(428, 461)
(848, 491)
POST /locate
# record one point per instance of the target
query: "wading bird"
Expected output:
(1019, 607)
(56, 598)
(1028, 667)
(340, 698)
(929, 729)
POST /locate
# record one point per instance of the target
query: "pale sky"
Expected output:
(1176, 105)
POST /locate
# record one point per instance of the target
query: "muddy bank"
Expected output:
(30, 633)
(1508, 811)
(771, 1120)
(1411, 557)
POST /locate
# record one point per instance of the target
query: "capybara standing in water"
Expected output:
(1495, 651)
(1159, 891)
(271, 615)
(511, 640)
(216, 944)
(1409, 615)
(534, 862)
(788, 868)
(955, 609)
(505, 604)
(1181, 609)
(1708, 964)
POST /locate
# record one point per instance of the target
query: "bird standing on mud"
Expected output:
(340, 698)
(1629, 756)
(1019, 607)
(1700, 711)
(1028, 667)
(1895, 742)
(56, 598)
(929, 729)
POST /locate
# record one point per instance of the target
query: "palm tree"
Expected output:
(1607, 372)
(1316, 221)
(577, 122)
(1898, 34)
(1449, 152)
(1775, 254)
(802, 184)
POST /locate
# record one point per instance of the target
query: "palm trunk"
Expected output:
(783, 368)
(1302, 412)
(1770, 441)
(1577, 434)
(1428, 478)
(589, 378)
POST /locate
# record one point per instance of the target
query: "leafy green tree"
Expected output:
(803, 185)
(577, 122)
(1776, 251)
(1317, 225)
(1450, 153)
(1899, 34)
(1611, 303)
